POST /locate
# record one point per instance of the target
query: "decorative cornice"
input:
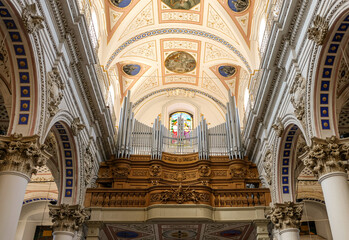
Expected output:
(326, 155)
(21, 154)
(67, 218)
(286, 215)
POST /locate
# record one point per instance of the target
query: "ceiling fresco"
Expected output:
(180, 62)
(179, 231)
(206, 44)
(181, 4)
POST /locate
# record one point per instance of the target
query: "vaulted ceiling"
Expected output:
(205, 45)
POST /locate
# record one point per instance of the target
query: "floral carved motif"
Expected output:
(278, 126)
(298, 92)
(318, 32)
(204, 171)
(121, 171)
(286, 215)
(77, 126)
(21, 154)
(88, 166)
(326, 156)
(55, 91)
(268, 167)
(238, 171)
(67, 218)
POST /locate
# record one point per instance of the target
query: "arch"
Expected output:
(68, 157)
(324, 85)
(286, 160)
(24, 84)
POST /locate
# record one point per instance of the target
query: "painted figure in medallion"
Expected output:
(180, 62)
(181, 4)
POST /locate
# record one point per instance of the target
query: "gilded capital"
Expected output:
(68, 218)
(286, 215)
(21, 154)
(326, 155)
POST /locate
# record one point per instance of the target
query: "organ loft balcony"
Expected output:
(199, 175)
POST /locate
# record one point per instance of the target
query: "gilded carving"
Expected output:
(238, 171)
(32, 21)
(77, 126)
(204, 171)
(318, 32)
(67, 217)
(180, 195)
(55, 87)
(121, 171)
(278, 126)
(325, 156)
(298, 92)
(21, 154)
(155, 170)
(286, 215)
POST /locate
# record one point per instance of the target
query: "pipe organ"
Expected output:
(137, 138)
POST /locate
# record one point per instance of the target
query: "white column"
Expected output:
(336, 193)
(289, 234)
(12, 190)
(19, 156)
(325, 160)
(63, 235)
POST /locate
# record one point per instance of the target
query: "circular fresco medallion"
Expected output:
(180, 62)
(181, 4)
(227, 71)
(127, 234)
(131, 69)
(238, 5)
(231, 233)
(120, 3)
(179, 234)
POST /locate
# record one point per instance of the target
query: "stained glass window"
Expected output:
(187, 126)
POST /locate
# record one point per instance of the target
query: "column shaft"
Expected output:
(290, 234)
(12, 190)
(63, 235)
(336, 193)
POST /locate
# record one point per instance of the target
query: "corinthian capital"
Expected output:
(286, 215)
(326, 155)
(68, 218)
(21, 154)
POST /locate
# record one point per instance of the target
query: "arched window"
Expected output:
(187, 126)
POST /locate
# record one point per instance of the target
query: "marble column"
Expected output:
(19, 156)
(325, 158)
(286, 218)
(67, 219)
